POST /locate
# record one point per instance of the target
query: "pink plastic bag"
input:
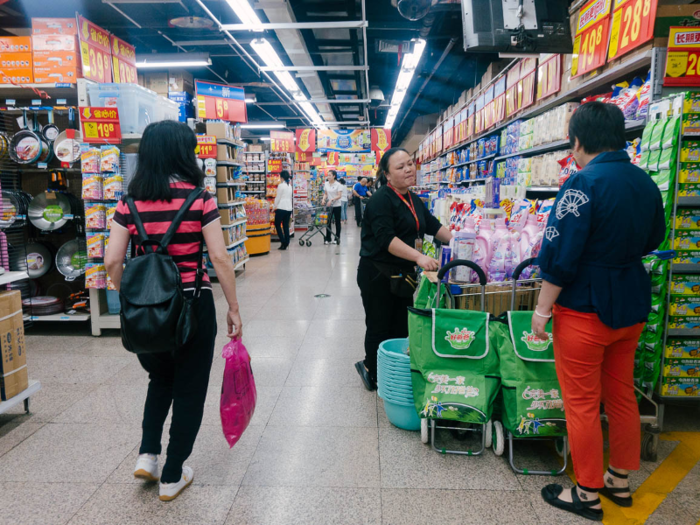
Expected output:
(238, 394)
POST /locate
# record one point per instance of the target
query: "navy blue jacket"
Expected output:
(605, 219)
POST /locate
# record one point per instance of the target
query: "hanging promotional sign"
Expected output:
(123, 61)
(306, 140)
(274, 165)
(282, 141)
(100, 125)
(632, 26)
(381, 139)
(499, 100)
(512, 78)
(548, 76)
(94, 51)
(526, 84)
(590, 42)
(344, 140)
(206, 147)
(682, 68)
(220, 102)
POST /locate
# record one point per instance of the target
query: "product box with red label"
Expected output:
(54, 26)
(13, 364)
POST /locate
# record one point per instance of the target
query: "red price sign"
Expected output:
(282, 141)
(274, 165)
(590, 43)
(100, 125)
(95, 51)
(220, 102)
(682, 67)
(206, 147)
(123, 61)
(632, 25)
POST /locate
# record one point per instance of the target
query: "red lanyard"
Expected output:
(410, 205)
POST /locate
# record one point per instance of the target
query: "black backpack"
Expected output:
(155, 314)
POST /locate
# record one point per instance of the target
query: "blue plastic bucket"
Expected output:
(402, 416)
(395, 348)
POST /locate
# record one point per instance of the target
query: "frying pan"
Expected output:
(48, 210)
(4, 145)
(25, 146)
(50, 131)
(38, 259)
(71, 259)
(66, 147)
(9, 208)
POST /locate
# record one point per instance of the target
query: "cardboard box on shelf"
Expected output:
(141, 79)
(54, 26)
(255, 148)
(492, 70)
(674, 15)
(13, 359)
(54, 43)
(157, 81)
(56, 58)
(46, 75)
(15, 44)
(220, 130)
(16, 60)
(22, 75)
(180, 80)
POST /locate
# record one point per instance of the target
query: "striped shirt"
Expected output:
(157, 216)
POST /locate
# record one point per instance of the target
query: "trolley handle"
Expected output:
(463, 262)
(524, 264)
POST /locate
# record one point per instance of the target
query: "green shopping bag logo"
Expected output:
(540, 401)
(460, 339)
(534, 343)
(459, 388)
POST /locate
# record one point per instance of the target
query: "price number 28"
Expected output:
(632, 21)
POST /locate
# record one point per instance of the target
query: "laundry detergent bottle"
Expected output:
(483, 248)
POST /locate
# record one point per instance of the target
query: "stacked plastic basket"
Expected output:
(394, 384)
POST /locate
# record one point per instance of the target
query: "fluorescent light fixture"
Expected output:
(162, 60)
(246, 14)
(264, 125)
(251, 99)
(408, 68)
(518, 55)
(265, 139)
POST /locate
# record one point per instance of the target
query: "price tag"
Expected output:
(10, 102)
(282, 141)
(61, 102)
(590, 42)
(632, 25)
(206, 146)
(682, 68)
(36, 102)
(100, 125)
(123, 61)
(94, 51)
(42, 165)
(220, 102)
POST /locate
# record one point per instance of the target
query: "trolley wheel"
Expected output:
(499, 441)
(301, 243)
(488, 428)
(308, 243)
(649, 447)
(424, 431)
(26, 405)
(559, 447)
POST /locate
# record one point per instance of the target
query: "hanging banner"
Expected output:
(206, 147)
(100, 125)
(526, 84)
(512, 78)
(632, 25)
(332, 159)
(548, 76)
(306, 140)
(499, 100)
(344, 140)
(274, 165)
(282, 141)
(94, 51)
(316, 161)
(381, 139)
(682, 68)
(590, 42)
(123, 61)
(220, 102)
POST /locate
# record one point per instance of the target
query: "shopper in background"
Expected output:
(332, 193)
(283, 209)
(392, 235)
(606, 218)
(359, 192)
(344, 202)
(159, 187)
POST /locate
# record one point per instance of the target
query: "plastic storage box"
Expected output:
(166, 109)
(136, 104)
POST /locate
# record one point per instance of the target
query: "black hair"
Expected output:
(383, 168)
(342, 181)
(335, 174)
(284, 174)
(598, 127)
(166, 150)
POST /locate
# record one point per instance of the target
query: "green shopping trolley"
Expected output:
(454, 368)
(531, 402)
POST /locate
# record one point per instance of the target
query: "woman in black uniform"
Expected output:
(393, 226)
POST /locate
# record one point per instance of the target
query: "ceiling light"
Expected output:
(264, 125)
(251, 99)
(163, 60)
(408, 68)
(246, 14)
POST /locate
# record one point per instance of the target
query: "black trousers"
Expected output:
(386, 315)
(333, 215)
(358, 210)
(282, 225)
(182, 381)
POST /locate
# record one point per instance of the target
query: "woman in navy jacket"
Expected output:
(605, 219)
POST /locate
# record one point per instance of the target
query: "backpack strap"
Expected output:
(143, 236)
(193, 196)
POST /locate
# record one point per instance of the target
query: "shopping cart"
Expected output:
(531, 403)
(454, 369)
(318, 223)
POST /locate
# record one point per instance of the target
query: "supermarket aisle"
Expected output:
(319, 449)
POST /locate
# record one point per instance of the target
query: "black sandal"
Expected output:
(609, 492)
(551, 493)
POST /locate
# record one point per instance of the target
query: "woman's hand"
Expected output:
(235, 325)
(427, 263)
(538, 326)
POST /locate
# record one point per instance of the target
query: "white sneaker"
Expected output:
(326, 243)
(147, 467)
(334, 242)
(170, 491)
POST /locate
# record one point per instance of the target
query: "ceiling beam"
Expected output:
(319, 101)
(351, 24)
(314, 68)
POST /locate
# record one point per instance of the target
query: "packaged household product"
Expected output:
(568, 168)
(669, 138)
(680, 387)
(109, 159)
(657, 133)
(653, 162)
(625, 97)
(483, 246)
(646, 135)
(96, 245)
(95, 275)
(667, 160)
(690, 151)
(543, 212)
(687, 240)
(689, 172)
(445, 257)
(684, 322)
(691, 124)
(687, 219)
(644, 97)
(92, 186)
(682, 368)
(691, 102)
(110, 209)
(689, 190)
(113, 187)
(682, 349)
(663, 179)
(90, 160)
(95, 216)
(463, 248)
(210, 167)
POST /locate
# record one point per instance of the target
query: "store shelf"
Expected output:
(255, 171)
(230, 142)
(551, 146)
(33, 388)
(689, 202)
(229, 184)
(683, 332)
(543, 189)
(686, 268)
(241, 263)
(252, 191)
(24, 92)
(230, 163)
(60, 317)
(240, 221)
(233, 245)
(107, 320)
(635, 125)
(11, 277)
(256, 182)
(131, 136)
(230, 204)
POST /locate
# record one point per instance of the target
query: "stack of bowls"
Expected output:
(394, 384)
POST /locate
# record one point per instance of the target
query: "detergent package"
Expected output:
(644, 97)
(690, 151)
(669, 138)
(680, 387)
(682, 349)
(682, 368)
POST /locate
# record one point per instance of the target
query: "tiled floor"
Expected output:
(319, 450)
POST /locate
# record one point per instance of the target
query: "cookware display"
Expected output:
(71, 259)
(66, 147)
(49, 211)
(26, 146)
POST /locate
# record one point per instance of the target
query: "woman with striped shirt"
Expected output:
(167, 172)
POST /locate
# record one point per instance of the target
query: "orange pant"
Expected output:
(596, 363)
